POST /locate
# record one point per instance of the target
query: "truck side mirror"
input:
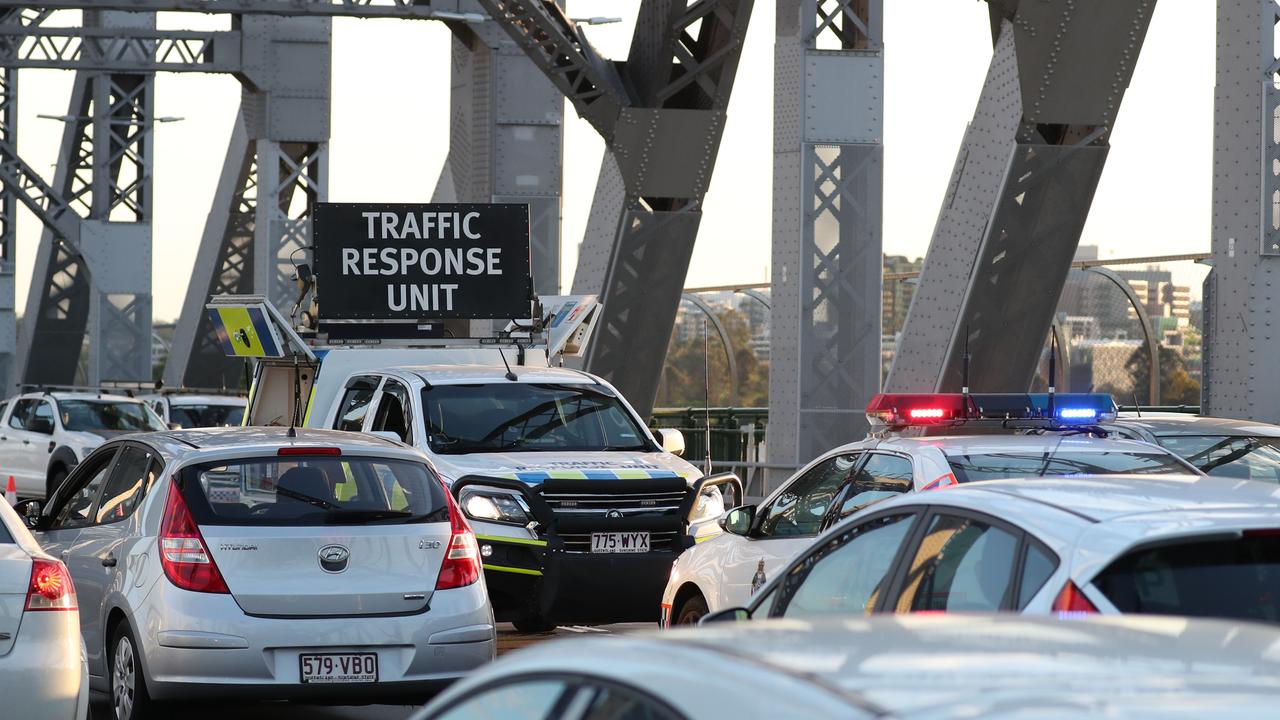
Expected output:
(671, 439)
(41, 425)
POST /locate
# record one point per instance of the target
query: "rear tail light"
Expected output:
(1072, 600)
(183, 554)
(462, 558)
(51, 587)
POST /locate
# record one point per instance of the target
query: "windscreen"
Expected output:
(307, 490)
(1234, 578)
(1011, 464)
(1250, 458)
(91, 415)
(200, 416)
(528, 417)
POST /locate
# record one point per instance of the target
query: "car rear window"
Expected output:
(1229, 578)
(1249, 458)
(313, 490)
(995, 466)
(198, 416)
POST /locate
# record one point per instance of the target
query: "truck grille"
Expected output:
(629, 504)
(651, 505)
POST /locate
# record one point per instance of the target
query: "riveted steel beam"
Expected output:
(1242, 291)
(406, 9)
(661, 114)
(1020, 192)
(120, 50)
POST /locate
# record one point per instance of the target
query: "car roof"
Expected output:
(1169, 423)
(77, 395)
(986, 443)
(180, 400)
(465, 374)
(1101, 498)
(956, 665)
(258, 440)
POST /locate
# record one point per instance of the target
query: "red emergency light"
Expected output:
(903, 409)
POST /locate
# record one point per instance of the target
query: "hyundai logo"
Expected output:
(613, 514)
(333, 558)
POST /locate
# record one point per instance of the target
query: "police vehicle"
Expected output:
(1060, 437)
(1218, 446)
(46, 433)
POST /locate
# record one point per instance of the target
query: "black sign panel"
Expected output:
(421, 262)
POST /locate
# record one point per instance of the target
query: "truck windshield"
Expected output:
(91, 415)
(528, 417)
(198, 416)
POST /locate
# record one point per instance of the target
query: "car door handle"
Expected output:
(109, 561)
(26, 442)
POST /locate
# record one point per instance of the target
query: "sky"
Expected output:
(390, 132)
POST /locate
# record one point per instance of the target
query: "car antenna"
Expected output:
(964, 381)
(297, 398)
(510, 375)
(1053, 357)
(706, 396)
(1136, 407)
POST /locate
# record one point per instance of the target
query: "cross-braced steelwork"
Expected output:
(407, 9)
(828, 166)
(119, 49)
(661, 114)
(1242, 292)
(505, 138)
(1020, 192)
(275, 171)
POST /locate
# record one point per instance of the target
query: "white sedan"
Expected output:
(43, 673)
(759, 540)
(1192, 545)
(909, 667)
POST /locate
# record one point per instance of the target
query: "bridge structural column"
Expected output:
(827, 197)
(661, 114)
(1020, 192)
(1242, 292)
(505, 137)
(275, 169)
(8, 221)
(93, 292)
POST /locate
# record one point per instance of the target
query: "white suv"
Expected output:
(45, 434)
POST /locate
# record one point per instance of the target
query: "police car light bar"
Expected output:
(918, 409)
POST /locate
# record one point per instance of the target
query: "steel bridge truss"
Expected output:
(661, 114)
(1020, 192)
(828, 167)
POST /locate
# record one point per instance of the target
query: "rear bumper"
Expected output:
(202, 646)
(45, 676)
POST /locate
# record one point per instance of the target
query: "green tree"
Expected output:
(683, 376)
(1177, 387)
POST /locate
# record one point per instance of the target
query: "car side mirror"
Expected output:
(734, 614)
(672, 440)
(738, 520)
(44, 426)
(30, 512)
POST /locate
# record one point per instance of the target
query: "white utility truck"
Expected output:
(578, 508)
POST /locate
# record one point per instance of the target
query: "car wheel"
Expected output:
(129, 698)
(691, 611)
(55, 479)
(532, 624)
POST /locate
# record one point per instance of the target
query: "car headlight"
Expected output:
(494, 506)
(710, 505)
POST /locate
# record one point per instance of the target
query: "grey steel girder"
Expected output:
(407, 9)
(1020, 193)
(827, 215)
(661, 114)
(120, 50)
(275, 171)
(1242, 291)
(505, 138)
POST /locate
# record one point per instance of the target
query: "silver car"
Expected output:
(42, 663)
(241, 563)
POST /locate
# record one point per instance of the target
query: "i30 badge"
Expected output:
(333, 558)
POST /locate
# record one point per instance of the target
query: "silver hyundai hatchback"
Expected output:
(243, 563)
